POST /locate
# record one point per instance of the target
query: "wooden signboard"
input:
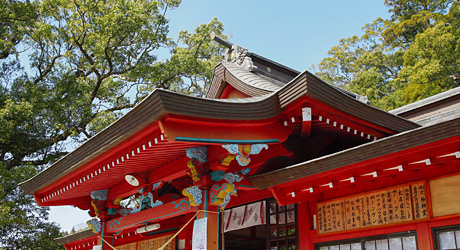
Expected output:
(154, 243)
(394, 205)
(444, 195)
(131, 246)
(157, 243)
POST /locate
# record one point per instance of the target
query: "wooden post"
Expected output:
(213, 229)
(424, 236)
(305, 225)
(107, 240)
(188, 232)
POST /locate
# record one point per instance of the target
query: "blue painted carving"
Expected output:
(99, 195)
(157, 203)
(231, 148)
(95, 224)
(198, 153)
(194, 194)
(124, 211)
(156, 185)
(146, 202)
(245, 171)
(256, 148)
(219, 192)
(182, 205)
(244, 151)
(231, 178)
(227, 199)
(113, 223)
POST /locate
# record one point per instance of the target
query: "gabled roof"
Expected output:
(434, 109)
(156, 106)
(75, 237)
(148, 122)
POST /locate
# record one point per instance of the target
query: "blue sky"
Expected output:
(297, 34)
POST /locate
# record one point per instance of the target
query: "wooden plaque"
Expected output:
(393, 205)
(445, 199)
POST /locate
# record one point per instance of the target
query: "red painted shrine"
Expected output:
(272, 158)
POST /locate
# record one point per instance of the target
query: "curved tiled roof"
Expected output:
(269, 101)
(241, 79)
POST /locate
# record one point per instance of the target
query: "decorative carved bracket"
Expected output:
(198, 153)
(149, 199)
(98, 204)
(95, 224)
(219, 192)
(194, 194)
(243, 152)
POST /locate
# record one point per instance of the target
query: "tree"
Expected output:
(88, 63)
(23, 224)
(408, 57)
(411, 17)
(16, 17)
(432, 62)
(365, 65)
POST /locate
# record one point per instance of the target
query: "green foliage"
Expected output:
(22, 223)
(432, 63)
(410, 57)
(16, 18)
(88, 63)
(364, 65)
(190, 67)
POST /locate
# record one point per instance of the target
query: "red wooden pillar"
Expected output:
(104, 235)
(187, 233)
(305, 225)
(424, 236)
(212, 234)
(213, 229)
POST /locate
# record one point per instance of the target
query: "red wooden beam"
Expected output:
(177, 128)
(162, 212)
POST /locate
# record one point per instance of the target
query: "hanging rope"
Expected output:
(178, 232)
(106, 242)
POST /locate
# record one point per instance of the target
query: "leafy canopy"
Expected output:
(68, 70)
(411, 56)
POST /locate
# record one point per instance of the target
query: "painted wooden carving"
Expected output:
(196, 169)
(231, 178)
(99, 195)
(95, 225)
(227, 160)
(245, 171)
(97, 207)
(198, 153)
(243, 152)
(194, 194)
(219, 192)
(227, 199)
(149, 199)
(98, 204)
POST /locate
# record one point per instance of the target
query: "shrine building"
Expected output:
(271, 158)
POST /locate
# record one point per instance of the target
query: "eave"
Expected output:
(412, 155)
(153, 134)
(157, 131)
(83, 235)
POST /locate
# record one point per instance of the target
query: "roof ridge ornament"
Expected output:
(235, 53)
